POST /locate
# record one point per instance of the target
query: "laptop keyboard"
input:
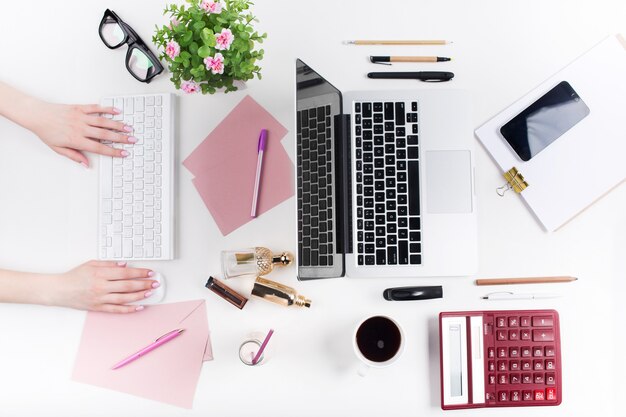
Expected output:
(315, 193)
(388, 221)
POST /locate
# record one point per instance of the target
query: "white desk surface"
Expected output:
(501, 50)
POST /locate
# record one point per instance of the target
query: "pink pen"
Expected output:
(259, 164)
(160, 341)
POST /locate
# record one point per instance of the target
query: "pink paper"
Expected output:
(168, 374)
(225, 165)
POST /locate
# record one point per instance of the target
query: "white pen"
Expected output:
(514, 296)
(259, 164)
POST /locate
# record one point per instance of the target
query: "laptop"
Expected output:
(384, 181)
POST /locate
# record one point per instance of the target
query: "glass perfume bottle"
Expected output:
(253, 261)
(278, 293)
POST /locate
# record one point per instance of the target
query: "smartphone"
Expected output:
(544, 121)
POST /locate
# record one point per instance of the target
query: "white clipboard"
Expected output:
(588, 160)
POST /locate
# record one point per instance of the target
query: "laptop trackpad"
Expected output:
(448, 182)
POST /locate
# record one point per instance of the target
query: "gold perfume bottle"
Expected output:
(278, 293)
(253, 261)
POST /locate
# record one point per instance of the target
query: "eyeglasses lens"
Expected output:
(112, 33)
(140, 65)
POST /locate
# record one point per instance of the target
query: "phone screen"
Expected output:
(544, 121)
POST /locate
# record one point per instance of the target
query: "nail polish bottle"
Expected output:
(278, 293)
(253, 261)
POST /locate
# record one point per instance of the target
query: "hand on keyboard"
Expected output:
(102, 286)
(70, 129)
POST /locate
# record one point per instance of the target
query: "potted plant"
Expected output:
(210, 44)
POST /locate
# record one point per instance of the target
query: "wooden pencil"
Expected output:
(531, 280)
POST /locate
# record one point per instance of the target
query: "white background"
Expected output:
(501, 50)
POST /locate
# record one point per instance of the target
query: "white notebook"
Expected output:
(586, 161)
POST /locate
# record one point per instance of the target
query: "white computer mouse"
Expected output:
(157, 293)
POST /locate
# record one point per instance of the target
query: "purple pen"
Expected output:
(259, 164)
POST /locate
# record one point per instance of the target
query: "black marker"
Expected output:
(432, 76)
(413, 293)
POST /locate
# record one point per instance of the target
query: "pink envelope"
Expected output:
(225, 165)
(169, 373)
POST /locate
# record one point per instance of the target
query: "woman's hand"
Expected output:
(70, 129)
(102, 286)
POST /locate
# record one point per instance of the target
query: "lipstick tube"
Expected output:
(226, 293)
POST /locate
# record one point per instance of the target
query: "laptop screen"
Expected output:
(320, 177)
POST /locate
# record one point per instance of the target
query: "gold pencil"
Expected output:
(532, 280)
(398, 42)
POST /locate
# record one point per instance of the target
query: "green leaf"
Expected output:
(204, 51)
(207, 36)
(193, 48)
(199, 25)
(186, 38)
(185, 55)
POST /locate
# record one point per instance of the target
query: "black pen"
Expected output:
(413, 293)
(385, 59)
(436, 76)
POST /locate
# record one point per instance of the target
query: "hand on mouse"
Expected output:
(102, 286)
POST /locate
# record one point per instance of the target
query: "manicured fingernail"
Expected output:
(121, 263)
(124, 153)
(139, 308)
(148, 294)
(128, 128)
(116, 110)
(85, 165)
(151, 273)
(156, 284)
(132, 139)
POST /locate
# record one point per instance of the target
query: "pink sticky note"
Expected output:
(225, 165)
(168, 374)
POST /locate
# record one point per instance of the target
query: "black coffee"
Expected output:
(378, 339)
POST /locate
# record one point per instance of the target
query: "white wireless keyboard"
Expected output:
(136, 207)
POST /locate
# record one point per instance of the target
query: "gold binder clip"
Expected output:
(514, 180)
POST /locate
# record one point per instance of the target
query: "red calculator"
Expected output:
(507, 358)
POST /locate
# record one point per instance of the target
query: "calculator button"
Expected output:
(501, 321)
(549, 351)
(543, 335)
(527, 379)
(503, 395)
(538, 378)
(513, 322)
(501, 334)
(527, 366)
(551, 394)
(538, 365)
(543, 321)
(502, 366)
(502, 352)
(537, 352)
(539, 396)
(491, 366)
(502, 379)
(490, 397)
(491, 353)
(524, 321)
(526, 352)
(525, 334)
(550, 378)
(550, 364)
(492, 379)
(515, 379)
(513, 335)
(514, 352)
(527, 395)
(515, 396)
(514, 365)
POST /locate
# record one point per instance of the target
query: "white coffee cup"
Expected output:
(378, 341)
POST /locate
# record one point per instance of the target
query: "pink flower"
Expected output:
(224, 39)
(215, 64)
(172, 49)
(189, 87)
(211, 6)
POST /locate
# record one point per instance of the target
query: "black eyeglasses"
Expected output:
(140, 61)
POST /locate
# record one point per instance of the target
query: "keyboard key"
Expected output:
(413, 177)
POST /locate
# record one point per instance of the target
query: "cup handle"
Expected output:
(363, 370)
